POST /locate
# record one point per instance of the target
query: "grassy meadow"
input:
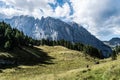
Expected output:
(59, 63)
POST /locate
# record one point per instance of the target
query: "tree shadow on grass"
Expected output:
(26, 56)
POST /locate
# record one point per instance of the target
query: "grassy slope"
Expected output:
(65, 65)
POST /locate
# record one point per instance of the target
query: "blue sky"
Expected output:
(100, 17)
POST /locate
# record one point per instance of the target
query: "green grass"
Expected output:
(64, 64)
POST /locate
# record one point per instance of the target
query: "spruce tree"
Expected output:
(114, 55)
(7, 45)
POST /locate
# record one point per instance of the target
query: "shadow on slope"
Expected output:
(25, 56)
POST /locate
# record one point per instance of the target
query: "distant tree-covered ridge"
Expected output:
(86, 49)
(12, 37)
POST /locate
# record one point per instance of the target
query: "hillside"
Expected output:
(62, 64)
(58, 60)
(55, 29)
(20, 60)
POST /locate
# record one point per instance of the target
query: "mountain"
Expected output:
(113, 42)
(55, 29)
(2, 16)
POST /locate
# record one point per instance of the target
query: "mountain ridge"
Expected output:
(55, 29)
(115, 41)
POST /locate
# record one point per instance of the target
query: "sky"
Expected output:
(100, 17)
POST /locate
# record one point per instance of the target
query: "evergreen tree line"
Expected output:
(116, 51)
(86, 49)
(12, 37)
(117, 48)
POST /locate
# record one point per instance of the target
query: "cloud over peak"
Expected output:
(100, 17)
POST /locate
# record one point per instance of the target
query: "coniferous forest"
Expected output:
(11, 37)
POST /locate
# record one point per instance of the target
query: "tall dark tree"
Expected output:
(7, 45)
(114, 55)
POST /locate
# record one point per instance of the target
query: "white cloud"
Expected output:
(29, 7)
(9, 12)
(88, 11)
(101, 17)
(95, 14)
(113, 23)
(33, 8)
(62, 11)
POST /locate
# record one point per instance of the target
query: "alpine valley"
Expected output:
(56, 29)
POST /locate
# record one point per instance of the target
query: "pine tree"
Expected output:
(114, 55)
(7, 45)
(117, 49)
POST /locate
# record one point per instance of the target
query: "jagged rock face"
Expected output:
(55, 29)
